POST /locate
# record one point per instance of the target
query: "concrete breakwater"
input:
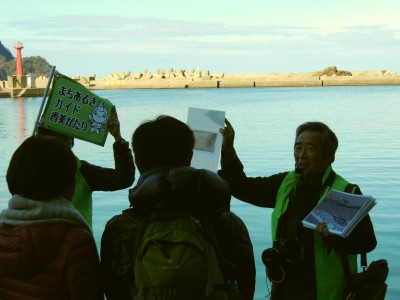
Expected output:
(21, 92)
(164, 80)
(245, 80)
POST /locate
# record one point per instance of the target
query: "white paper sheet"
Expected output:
(205, 124)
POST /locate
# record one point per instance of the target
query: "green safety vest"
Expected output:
(329, 269)
(82, 199)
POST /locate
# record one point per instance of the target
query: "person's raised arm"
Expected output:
(228, 138)
(108, 179)
(114, 125)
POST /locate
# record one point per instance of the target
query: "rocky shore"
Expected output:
(196, 79)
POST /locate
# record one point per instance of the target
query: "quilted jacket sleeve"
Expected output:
(82, 269)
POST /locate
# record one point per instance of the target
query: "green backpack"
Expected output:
(177, 257)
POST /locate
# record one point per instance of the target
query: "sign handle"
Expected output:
(53, 69)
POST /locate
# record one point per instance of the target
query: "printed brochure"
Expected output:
(340, 211)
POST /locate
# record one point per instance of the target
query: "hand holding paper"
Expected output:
(322, 229)
(228, 137)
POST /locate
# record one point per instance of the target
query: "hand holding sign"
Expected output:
(113, 125)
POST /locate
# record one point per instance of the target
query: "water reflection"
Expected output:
(21, 120)
(364, 118)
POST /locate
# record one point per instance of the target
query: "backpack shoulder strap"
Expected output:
(116, 244)
(210, 236)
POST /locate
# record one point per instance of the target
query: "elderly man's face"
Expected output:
(308, 154)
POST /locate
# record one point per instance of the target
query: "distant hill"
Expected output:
(5, 54)
(33, 65)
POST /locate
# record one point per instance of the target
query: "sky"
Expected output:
(235, 37)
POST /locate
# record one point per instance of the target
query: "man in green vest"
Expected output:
(301, 263)
(89, 177)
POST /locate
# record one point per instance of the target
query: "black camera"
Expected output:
(282, 259)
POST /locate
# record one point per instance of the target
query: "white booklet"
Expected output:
(205, 124)
(340, 211)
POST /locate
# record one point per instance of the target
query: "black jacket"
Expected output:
(109, 179)
(200, 190)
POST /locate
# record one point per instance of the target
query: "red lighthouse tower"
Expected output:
(18, 48)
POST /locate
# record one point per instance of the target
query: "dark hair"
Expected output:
(162, 142)
(41, 169)
(43, 131)
(328, 137)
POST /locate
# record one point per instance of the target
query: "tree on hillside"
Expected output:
(8, 69)
(36, 66)
(5, 53)
(32, 65)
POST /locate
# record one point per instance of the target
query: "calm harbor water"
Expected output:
(365, 119)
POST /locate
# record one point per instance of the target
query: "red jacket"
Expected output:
(50, 260)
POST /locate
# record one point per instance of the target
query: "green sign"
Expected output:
(75, 111)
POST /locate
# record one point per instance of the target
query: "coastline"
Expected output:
(126, 81)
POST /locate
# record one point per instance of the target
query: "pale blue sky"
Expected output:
(252, 36)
